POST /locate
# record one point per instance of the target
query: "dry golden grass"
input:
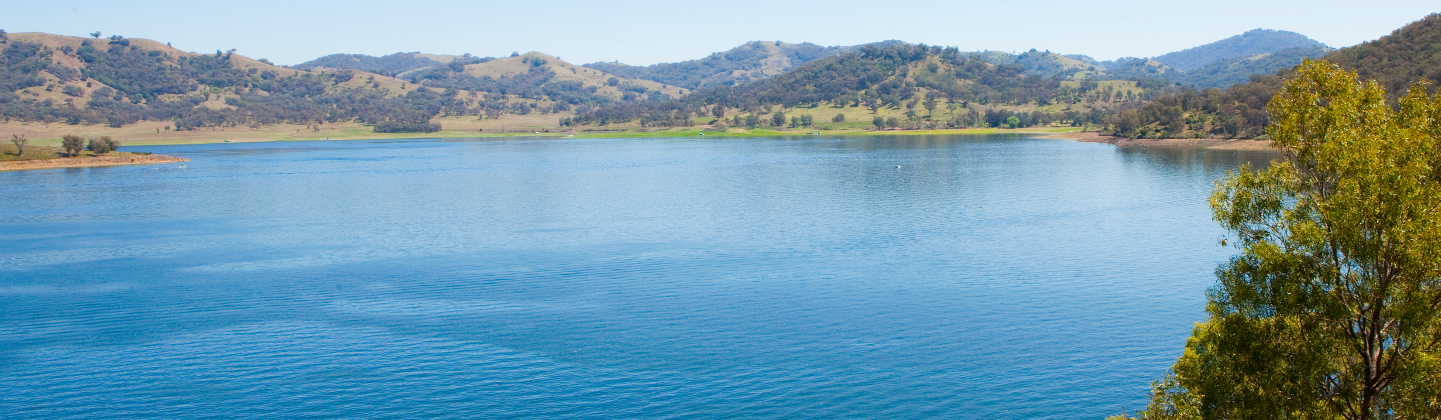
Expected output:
(154, 132)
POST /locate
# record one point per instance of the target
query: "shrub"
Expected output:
(103, 145)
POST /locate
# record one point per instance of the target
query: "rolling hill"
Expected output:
(389, 65)
(119, 81)
(917, 78)
(749, 62)
(1251, 43)
(1237, 70)
(1222, 63)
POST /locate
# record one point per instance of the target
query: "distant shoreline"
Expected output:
(1217, 144)
(88, 162)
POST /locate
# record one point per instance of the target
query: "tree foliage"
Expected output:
(102, 145)
(72, 144)
(20, 142)
(1333, 307)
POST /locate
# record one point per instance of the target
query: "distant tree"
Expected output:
(1012, 122)
(95, 34)
(839, 118)
(752, 121)
(73, 90)
(795, 122)
(612, 82)
(930, 104)
(879, 121)
(20, 142)
(892, 122)
(719, 111)
(72, 144)
(778, 119)
(807, 120)
(4, 37)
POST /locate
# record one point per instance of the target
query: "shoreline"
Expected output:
(674, 133)
(1214, 144)
(1066, 133)
(87, 162)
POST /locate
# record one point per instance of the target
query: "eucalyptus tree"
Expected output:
(1331, 308)
(20, 142)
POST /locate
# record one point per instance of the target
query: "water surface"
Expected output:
(957, 277)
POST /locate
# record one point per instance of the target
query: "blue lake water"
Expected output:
(891, 277)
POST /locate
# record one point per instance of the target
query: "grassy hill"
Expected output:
(1047, 64)
(1251, 43)
(1407, 55)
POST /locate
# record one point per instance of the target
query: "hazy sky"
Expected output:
(647, 32)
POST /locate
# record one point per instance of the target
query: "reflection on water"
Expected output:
(924, 276)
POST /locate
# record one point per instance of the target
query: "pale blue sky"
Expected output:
(647, 32)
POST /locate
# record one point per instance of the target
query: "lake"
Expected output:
(816, 277)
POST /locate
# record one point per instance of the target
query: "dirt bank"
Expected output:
(1219, 144)
(91, 161)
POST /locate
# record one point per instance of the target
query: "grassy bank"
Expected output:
(531, 125)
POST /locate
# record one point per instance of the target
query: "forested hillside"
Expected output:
(752, 61)
(1395, 61)
(1251, 43)
(119, 81)
(914, 77)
